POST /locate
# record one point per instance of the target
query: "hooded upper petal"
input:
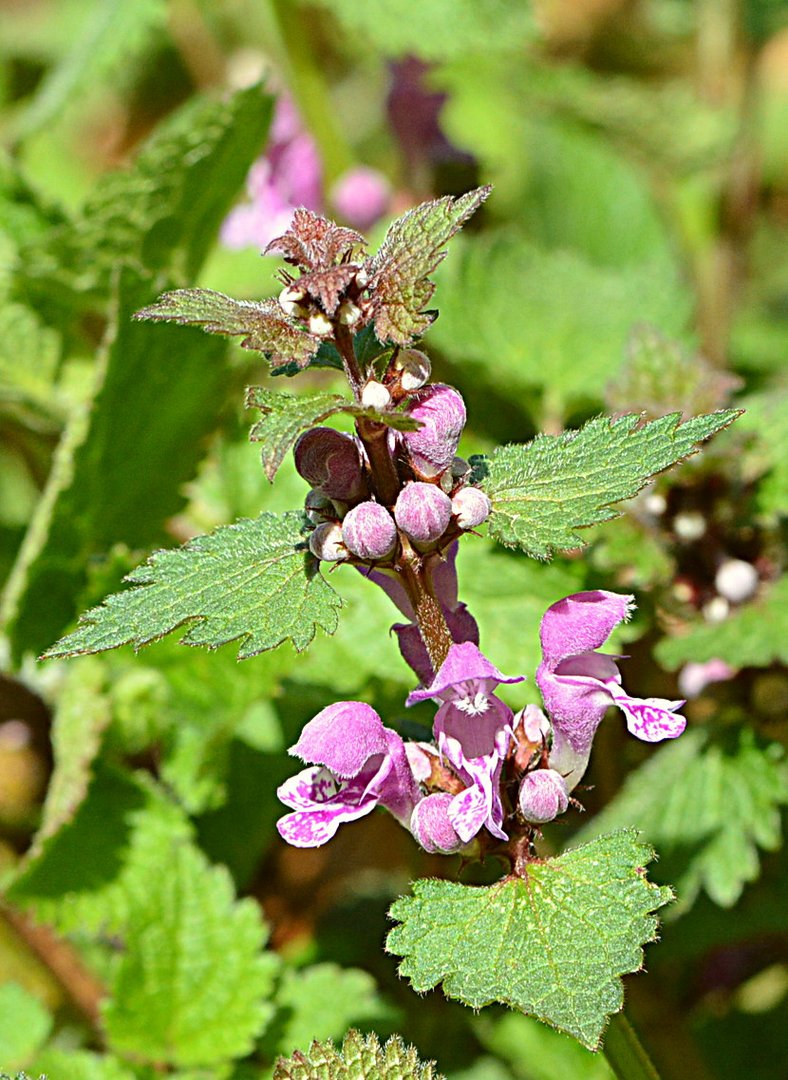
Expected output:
(465, 672)
(343, 737)
(581, 623)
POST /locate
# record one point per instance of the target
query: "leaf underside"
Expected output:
(543, 491)
(360, 1056)
(252, 581)
(552, 945)
(412, 249)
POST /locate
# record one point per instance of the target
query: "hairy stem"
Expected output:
(624, 1052)
(343, 339)
(429, 614)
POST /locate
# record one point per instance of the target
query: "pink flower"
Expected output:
(361, 196)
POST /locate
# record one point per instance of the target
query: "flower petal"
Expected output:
(431, 826)
(581, 623)
(464, 664)
(651, 719)
(342, 737)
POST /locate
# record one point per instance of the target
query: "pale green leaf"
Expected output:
(193, 984)
(24, 1025)
(113, 34)
(321, 1002)
(360, 1057)
(120, 465)
(544, 491)
(262, 325)
(58, 1064)
(552, 944)
(253, 581)
(285, 416)
(439, 29)
(29, 355)
(399, 272)
(538, 1052)
(163, 212)
(89, 875)
(766, 420)
(706, 804)
(81, 715)
(754, 635)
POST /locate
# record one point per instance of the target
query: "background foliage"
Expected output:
(631, 259)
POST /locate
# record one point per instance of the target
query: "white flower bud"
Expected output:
(348, 313)
(689, 525)
(736, 580)
(291, 302)
(362, 278)
(375, 395)
(414, 368)
(717, 610)
(470, 507)
(655, 504)
(320, 325)
(326, 542)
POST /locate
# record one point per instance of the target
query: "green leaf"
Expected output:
(543, 491)
(253, 580)
(113, 34)
(766, 420)
(439, 29)
(552, 944)
(163, 213)
(263, 324)
(360, 1056)
(516, 1039)
(755, 635)
(81, 1065)
(120, 465)
(24, 1025)
(192, 985)
(285, 416)
(29, 355)
(321, 1002)
(399, 282)
(81, 716)
(707, 804)
(87, 877)
(506, 311)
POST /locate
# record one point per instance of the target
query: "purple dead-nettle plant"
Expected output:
(393, 501)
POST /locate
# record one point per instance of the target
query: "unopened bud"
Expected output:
(348, 313)
(423, 511)
(375, 395)
(330, 460)
(716, 610)
(320, 325)
(543, 796)
(689, 525)
(414, 369)
(326, 542)
(431, 826)
(369, 531)
(532, 724)
(319, 508)
(362, 278)
(291, 302)
(441, 411)
(736, 580)
(470, 507)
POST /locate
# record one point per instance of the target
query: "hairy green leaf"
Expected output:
(360, 1056)
(192, 985)
(411, 250)
(285, 416)
(162, 213)
(707, 804)
(24, 1024)
(59, 1064)
(114, 32)
(119, 468)
(543, 491)
(755, 635)
(524, 317)
(766, 420)
(253, 580)
(262, 325)
(552, 944)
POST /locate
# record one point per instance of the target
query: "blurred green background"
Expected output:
(633, 257)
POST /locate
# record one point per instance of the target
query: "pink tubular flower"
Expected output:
(362, 196)
(578, 684)
(473, 729)
(356, 765)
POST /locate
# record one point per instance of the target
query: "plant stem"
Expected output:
(624, 1052)
(343, 339)
(429, 614)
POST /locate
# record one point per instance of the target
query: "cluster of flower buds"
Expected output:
(487, 772)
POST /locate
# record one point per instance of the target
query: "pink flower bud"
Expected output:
(543, 796)
(361, 195)
(326, 542)
(423, 511)
(369, 531)
(430, 824)
(330, 460)
(441, 411)
(471, 507)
